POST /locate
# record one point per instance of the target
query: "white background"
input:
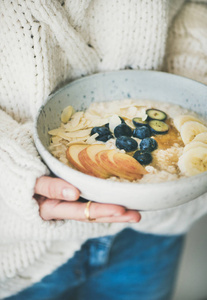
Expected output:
(192, 276)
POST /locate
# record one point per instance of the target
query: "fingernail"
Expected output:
(117, 214)
(69, 194)
(133, 221)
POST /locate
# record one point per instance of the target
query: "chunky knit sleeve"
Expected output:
(24, 236)
(19, 165)
(32, 65)
(186, 53)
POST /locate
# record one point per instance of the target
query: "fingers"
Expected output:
(129, 216)
(56, 209)
(51, 193)
(56, 188)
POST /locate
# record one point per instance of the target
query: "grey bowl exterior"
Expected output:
(117, 85)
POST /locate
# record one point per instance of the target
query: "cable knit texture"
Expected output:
(44, 45)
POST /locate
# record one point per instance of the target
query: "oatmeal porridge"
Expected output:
(132, 140)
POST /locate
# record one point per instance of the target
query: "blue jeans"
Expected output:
(128, 266)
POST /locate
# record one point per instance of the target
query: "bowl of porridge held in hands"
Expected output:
(133, 138)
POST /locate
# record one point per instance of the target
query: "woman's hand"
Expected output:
(57, 200)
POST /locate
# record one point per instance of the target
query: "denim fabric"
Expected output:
(128, 266)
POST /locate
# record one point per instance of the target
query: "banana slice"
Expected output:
(201, 137)
(181, 119)
(190, 129)
(67, 113)
(194, 144)
(194, 161)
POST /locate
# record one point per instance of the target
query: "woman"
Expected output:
(49, 247)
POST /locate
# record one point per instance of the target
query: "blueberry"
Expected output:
(104, 133)
(104, 138)
(148, 145)
(122, 130)
(126, 143)
(100, 130)
(144, 158)
(142, 132)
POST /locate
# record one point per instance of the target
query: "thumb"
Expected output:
(56, 188)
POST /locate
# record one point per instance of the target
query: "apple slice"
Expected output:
(88, 160)
(106, 160)
(72, 156)
(128, 163)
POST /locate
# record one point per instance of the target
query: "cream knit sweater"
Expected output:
(43, 45)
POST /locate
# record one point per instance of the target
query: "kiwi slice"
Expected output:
(139, 122)
(156, 114)
(158, 127)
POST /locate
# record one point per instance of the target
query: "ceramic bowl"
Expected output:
(118, 85)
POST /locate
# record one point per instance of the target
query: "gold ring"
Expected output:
(87, 213)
